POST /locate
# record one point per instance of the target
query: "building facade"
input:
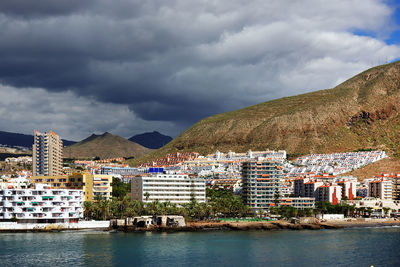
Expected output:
(261, 183)
(175, 188)
(381, 188)
(329, 193)
(396, 187)
(94, 186)
(349, 189)
(120, 170)
(310, 188)
(298, 202)
(47, 154)
(40, 204)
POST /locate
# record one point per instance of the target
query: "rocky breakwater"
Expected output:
(159, 223)
(267, 225)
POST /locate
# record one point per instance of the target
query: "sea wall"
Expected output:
(14, 226)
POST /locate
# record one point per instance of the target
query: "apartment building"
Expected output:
(396, 187)
(381, 188)
(40, 204)
(310, 188)
(329, 193)
(47, 154)
(261, 183)
(94, 186)
(175, 188)
(120, 170)
(298, 202)
(349, 189)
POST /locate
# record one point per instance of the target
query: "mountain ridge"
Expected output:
(153, 140)
(104, 146)
(362, 112)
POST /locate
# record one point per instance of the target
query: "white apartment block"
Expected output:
(175, 188)
(47, 154)
(40, 204)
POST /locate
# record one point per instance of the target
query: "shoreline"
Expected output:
(225, 226)
(267, 226)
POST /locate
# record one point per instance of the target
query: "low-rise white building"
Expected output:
(175, 188)
(298, 202)
(40, 204)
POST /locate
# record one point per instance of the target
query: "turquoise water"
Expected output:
(347, 247)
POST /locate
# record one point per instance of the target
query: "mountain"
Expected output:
(152, 140)
(25, 140)
(105, 146)
(360, 113)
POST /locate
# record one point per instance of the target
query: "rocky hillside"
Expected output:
(104, 146)
(387, 165)
(362, 112)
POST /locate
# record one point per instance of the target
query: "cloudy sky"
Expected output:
(128, 66)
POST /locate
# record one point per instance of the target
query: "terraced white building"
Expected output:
(40, 204)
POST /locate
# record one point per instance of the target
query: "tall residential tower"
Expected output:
(47, 154)
(261, 183)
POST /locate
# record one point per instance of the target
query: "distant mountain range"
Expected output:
(104, 146)
(25, 140)
(152, 140)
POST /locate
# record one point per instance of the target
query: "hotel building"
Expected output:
(175, 188)
(93, 185)
(40, 204)
(47, 154)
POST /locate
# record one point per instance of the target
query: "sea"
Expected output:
(343, 247)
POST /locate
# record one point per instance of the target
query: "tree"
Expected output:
(276, 196)
(88, 210)
(119, 188)
(370, 210)
(147, 195)
(104, 206)
(386, 210)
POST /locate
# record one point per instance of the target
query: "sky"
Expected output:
(128, 67)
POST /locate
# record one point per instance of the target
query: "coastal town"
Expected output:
(47, 190)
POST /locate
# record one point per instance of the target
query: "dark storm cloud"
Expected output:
(39, 8)
(179, 61)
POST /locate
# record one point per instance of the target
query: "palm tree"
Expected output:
(363, 209)
(104, 207)
(88, 209)
(369, 210)
(386, 210)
